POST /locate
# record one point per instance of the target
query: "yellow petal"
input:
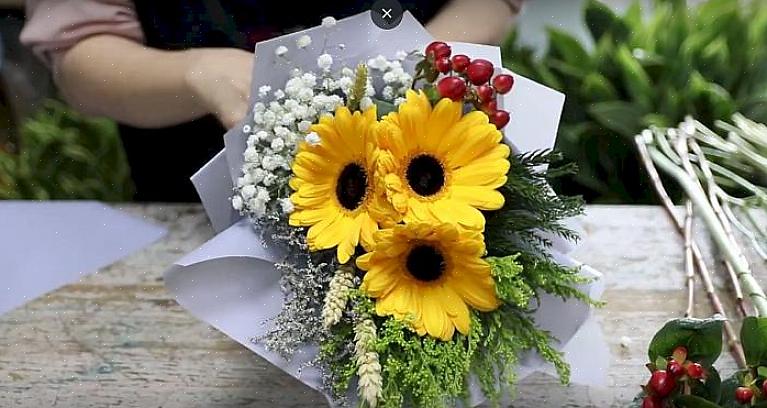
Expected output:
(476, 142)
(371, 114)
(483, 198)
(478, 293)
(332, 143)
(434, 318)
(418, 211)
(444, 116)
(380, 281)
(385, 305)
(314, 162)
(413, 123)
(308, 217)
(363, 261)
(304, 200)
(456, 135)
(445, 232)
(326, 233)
(348, 235)
(449, 210)
(488, 174)
(295, 183)
(457, 310)
(368, 228)
(404, 302)
(389, 137)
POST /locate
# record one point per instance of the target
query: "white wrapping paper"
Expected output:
(231, 283)
(44, 245)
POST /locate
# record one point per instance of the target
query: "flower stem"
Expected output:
(689, 266)
(736, 349)
(713, 197)
(728, 248)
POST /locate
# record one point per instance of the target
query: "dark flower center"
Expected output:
(425, 175)
(425, 263)
(351, 186)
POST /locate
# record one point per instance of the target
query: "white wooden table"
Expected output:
(118, 339)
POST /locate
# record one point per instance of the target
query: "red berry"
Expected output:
(503, 83)
(452, 87)
(460, 62)
(651, 402)
(764, 388)
(695, 370)
(675, 369)
(744, 395)
(480, 71)
(661, 383)
(438, 49)
(442, 64)
(485, 93)
(490, 106)
(499, 118)
(680, 354)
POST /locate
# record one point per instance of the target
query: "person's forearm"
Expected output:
(140, 86)
(477, 21)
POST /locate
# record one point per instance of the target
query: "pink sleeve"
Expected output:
(54, 26)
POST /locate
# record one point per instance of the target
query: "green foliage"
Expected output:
(423, 371)
(709, 61)
(693, 401)
(711, 389)
(339, 360)
(506, 333)
(531, 211)
(510, 285)
(64, 155)
(531, 207)
(701, 337)
(754, 338)
(729, 386)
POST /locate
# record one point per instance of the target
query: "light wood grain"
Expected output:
(117, 338)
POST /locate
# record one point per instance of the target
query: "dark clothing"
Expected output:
(162, 160)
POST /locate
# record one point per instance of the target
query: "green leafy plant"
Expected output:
(709, 61)
(64, 155)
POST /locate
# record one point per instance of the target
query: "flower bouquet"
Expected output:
(387, 230)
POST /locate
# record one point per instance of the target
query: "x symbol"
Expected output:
(387, 13)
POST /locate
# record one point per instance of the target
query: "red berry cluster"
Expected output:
(747, 394)
(470, 81)
(663, 382)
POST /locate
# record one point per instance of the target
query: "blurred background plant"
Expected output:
(64, 155)
(646, 68)
(47, 150)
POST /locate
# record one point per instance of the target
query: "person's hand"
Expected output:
(219, 78)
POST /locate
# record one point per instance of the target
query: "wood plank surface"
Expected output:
(118, 339)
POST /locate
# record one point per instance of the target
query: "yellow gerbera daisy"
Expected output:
(333, 184)
(438, 164)
(428, 274)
